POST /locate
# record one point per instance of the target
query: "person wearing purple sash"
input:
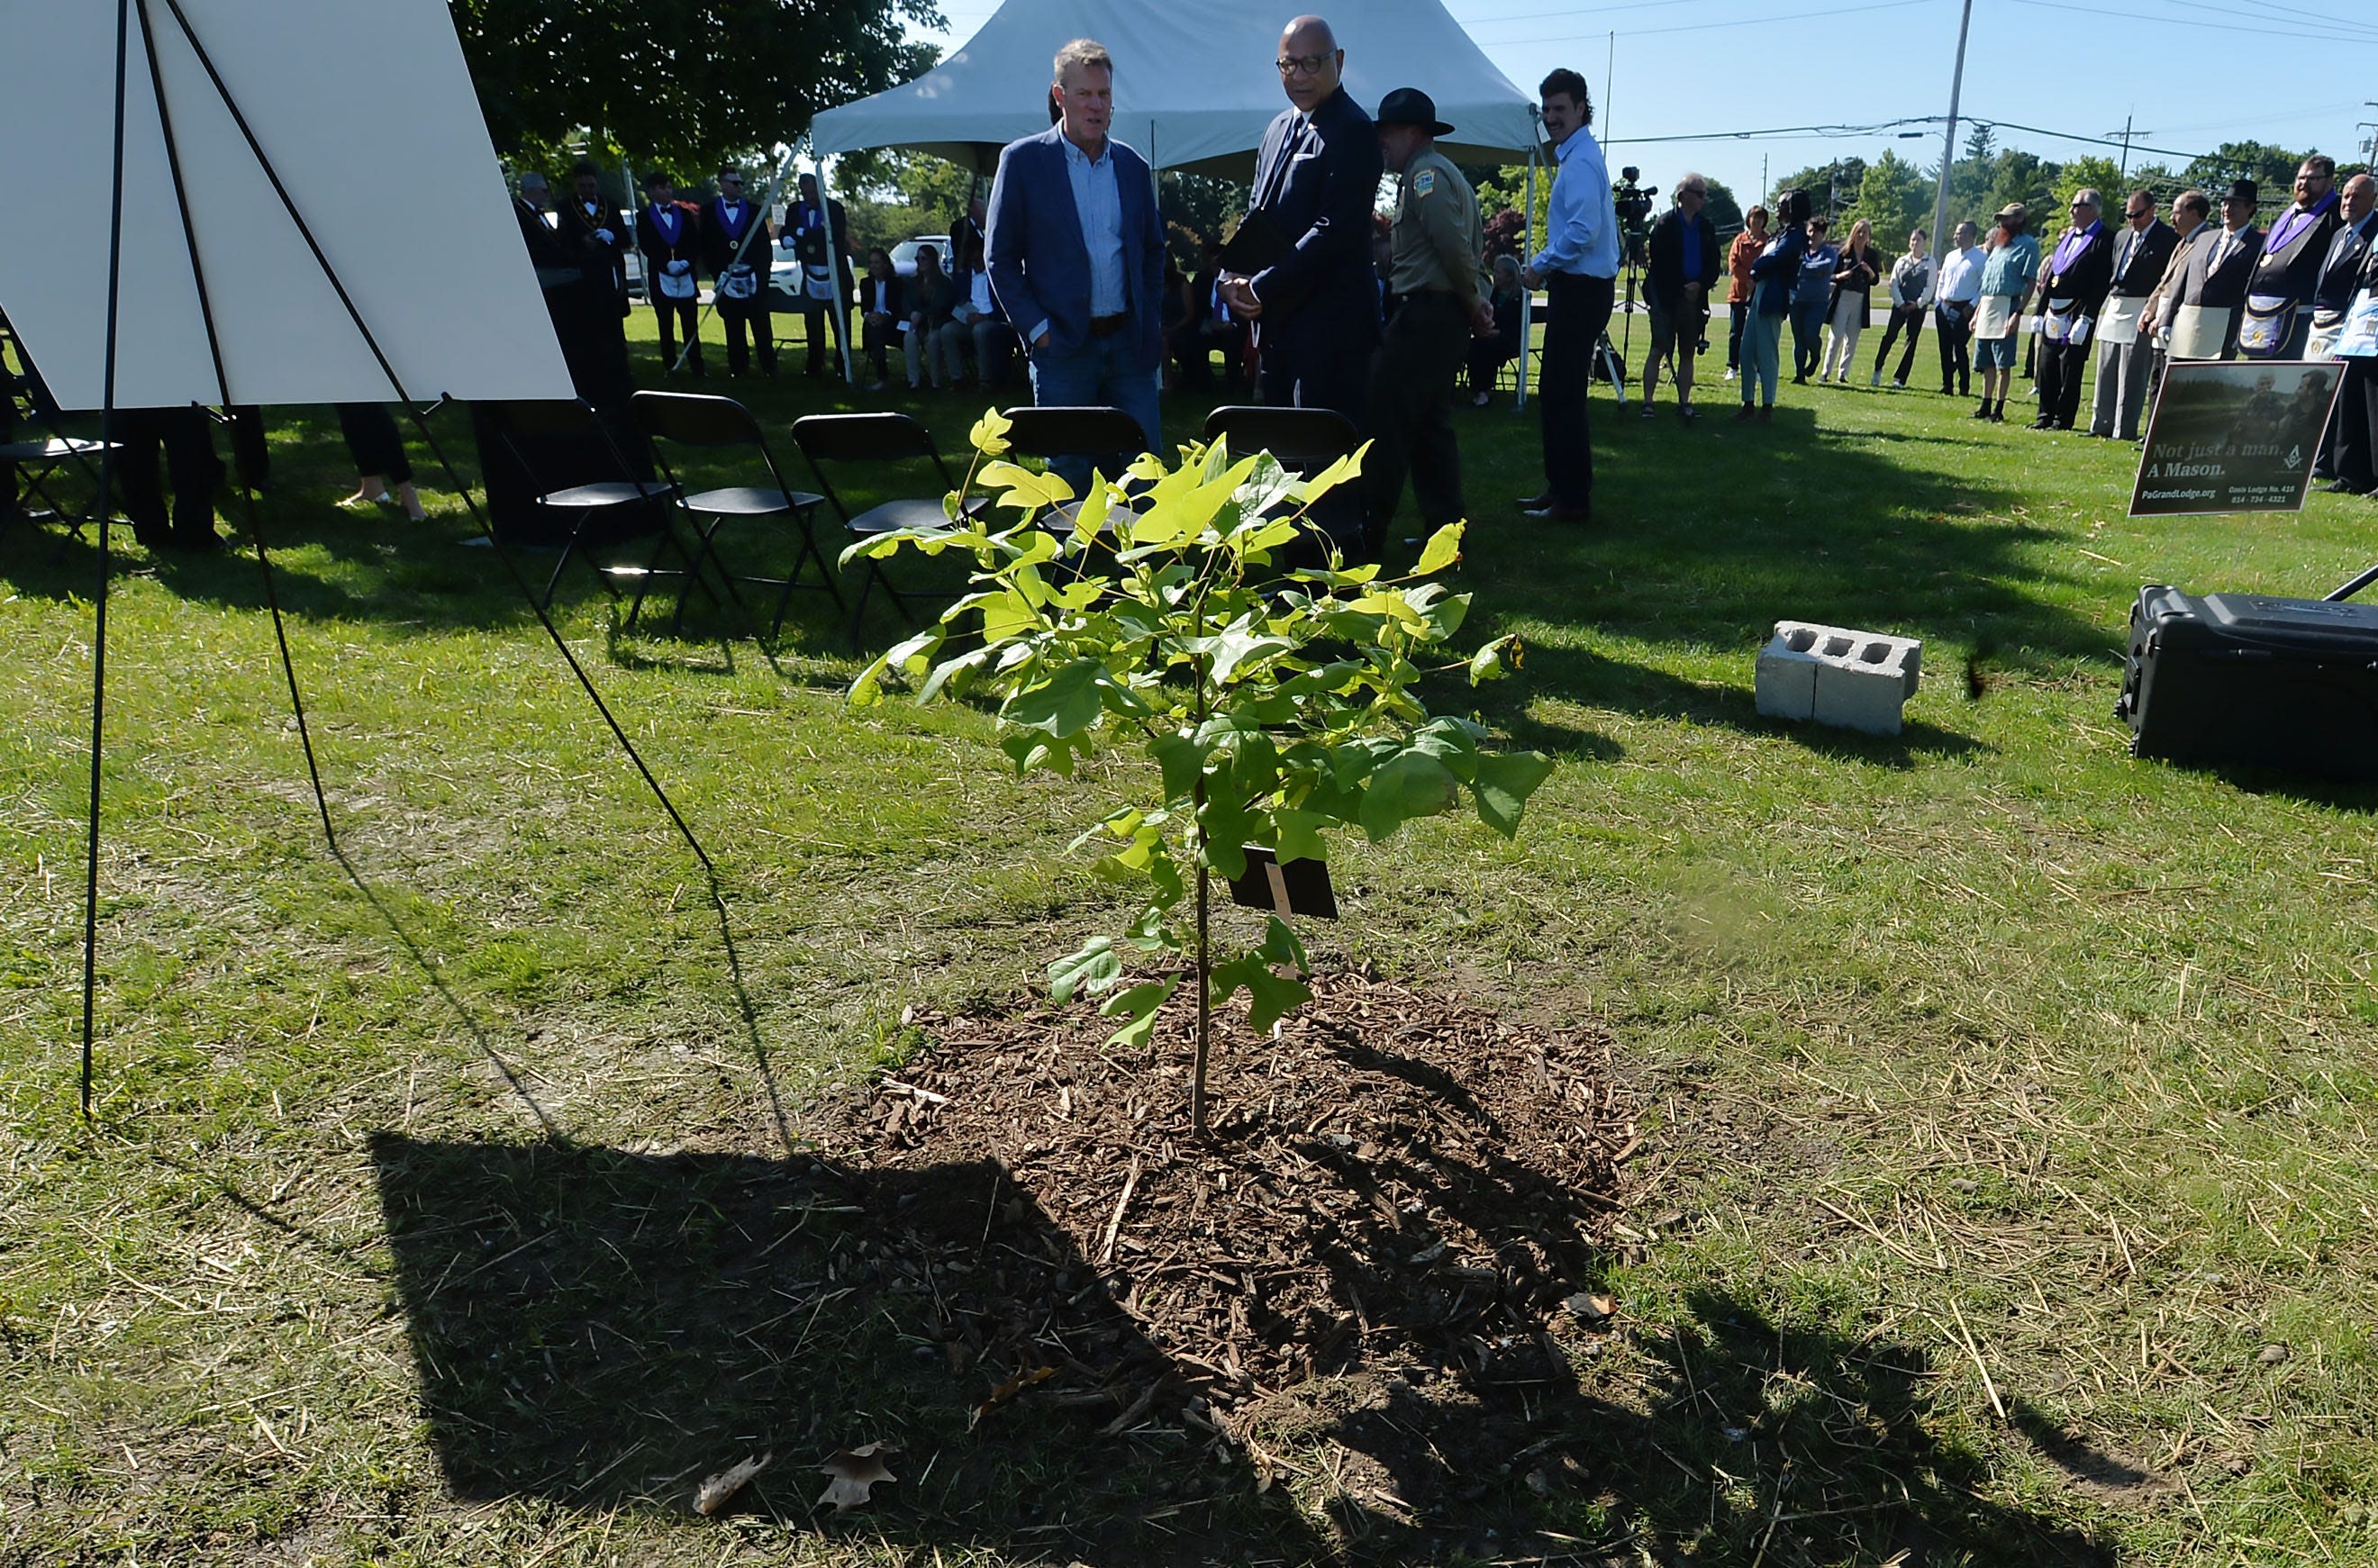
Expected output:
(2277, 317)
(668, 237)
(738, 270)
(2072, 293)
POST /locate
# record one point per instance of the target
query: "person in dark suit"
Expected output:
(1076, 254)
(2123, 366)
(738, 272)
(595, 233)
(2277, 319)
(2190, 212)
(669, 235)
(583, 326)
(2072, 283)
(882, 305)
(821, 240)
(1316, 308)
(188, 453)
(2199, 317)
(2332, 300)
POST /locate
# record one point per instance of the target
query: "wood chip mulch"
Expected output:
(1398, 1180)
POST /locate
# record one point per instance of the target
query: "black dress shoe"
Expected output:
(2339, 487)
(1534, 503)
(1556, 512)
(2043, 422)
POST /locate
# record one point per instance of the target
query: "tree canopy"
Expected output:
(682, 84)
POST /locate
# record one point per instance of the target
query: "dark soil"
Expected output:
(1398, 1186)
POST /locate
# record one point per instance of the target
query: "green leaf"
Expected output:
(1443, 549)
(1270, 997)
(1181, 757)
(1095, 968)
(1141, 1005)
(1410, 785)
(1238, 646)
(988, 436)
(1299, 834)
(1280, 946)
(1226, 824)
(1336, 473)
(1489, 662)
(1503, 783)
(1023, 489)
(1066, 703)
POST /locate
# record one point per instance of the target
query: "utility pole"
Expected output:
(2126, 136)
(1949, 139)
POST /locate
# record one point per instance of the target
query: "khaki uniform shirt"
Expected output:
(1439, 237)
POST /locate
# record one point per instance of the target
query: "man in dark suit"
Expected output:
(592, 230)
(2276, 318)
(1315, 307)
(2332, 300)
(820, 241)
(667, 233)
(1075, 253)
(2124, 354)
(2072, 284)
(2200, 317)
(735, 248)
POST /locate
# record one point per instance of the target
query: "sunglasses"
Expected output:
(1309, 65)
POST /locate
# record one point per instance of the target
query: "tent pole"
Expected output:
(837, 244)
(106, 510)
(1528, 251)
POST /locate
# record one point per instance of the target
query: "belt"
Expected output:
(1108, 326)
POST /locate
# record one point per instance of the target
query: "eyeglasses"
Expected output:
(1310, 65)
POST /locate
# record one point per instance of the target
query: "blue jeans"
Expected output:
(1763, 357)
(1808, 320)
(1098, 375)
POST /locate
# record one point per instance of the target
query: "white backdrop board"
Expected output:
(366, 112)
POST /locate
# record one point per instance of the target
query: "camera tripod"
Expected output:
(1613, 361)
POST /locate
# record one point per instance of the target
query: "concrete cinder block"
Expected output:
(1857, 680)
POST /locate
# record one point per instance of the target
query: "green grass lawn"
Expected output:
(2005, 1099)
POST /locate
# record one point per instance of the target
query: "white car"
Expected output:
(903, 255)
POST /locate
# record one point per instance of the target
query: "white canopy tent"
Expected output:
(1194, 85)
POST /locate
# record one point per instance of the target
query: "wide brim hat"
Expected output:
(2246, 191)
(1410, 106)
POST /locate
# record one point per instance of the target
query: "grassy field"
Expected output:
(2008, 1182)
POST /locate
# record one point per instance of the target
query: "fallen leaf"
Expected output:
(853, 1471)
(1592, 1306)
(2273, 1355)
(716, 1491)
(1009, 1390)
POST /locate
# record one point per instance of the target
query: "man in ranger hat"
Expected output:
(1433, 276)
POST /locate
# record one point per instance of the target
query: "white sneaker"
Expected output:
(1734, 375)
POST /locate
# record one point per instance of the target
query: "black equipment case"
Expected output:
(2246, 680)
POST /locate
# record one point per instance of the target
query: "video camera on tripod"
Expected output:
(1634, 208)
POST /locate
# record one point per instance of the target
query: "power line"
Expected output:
(1705, 27)
(2169, 21)
(2266, 17)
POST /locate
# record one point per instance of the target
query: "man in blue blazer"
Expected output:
(1317, 308)
(1076, 254)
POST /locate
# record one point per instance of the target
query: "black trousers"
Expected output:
(2060, 382)
(1578, 309)
(675, 316)
(373, 441)
(815, 314)
(190, 458)
(1411, 423)
(1737, 311)
(1318, 376)
(1956, 339)
(1908, 318)
(250, 458)
(2355, 426)
(747, 318)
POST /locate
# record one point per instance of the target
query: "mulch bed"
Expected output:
(1397, 1181)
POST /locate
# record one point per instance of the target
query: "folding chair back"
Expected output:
(865, 437)
(695, 419)
(1305, 440)
(1096, 433)
(836, 439)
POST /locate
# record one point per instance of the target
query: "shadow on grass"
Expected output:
(601, 1329)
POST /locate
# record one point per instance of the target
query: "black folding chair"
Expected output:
(40, 455)
(604, 512)
(883, 440)
(1305, 440)
(689, 419)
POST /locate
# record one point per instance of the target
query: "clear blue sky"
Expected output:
(1689, 67)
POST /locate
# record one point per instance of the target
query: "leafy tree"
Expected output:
(1275, 706)
(1895, 197)
(1724, 210)
(2088, 171)
(892, 196)
(1208, 207)
(2272, 168)
(684, 82)
(2022, 176)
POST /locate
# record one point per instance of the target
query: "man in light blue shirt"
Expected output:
(1576, 269)
(1076, 255)
(2007, 276)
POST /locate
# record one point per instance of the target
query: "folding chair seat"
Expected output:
(1108, 438)
(689, 419)
(883, 440)
(595, 514)
(1305, 440)
(40, 455)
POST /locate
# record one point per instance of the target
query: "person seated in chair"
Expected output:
(883, 307)
(976, 325)
(933, 299)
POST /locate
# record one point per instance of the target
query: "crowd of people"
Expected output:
(1389, 319)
